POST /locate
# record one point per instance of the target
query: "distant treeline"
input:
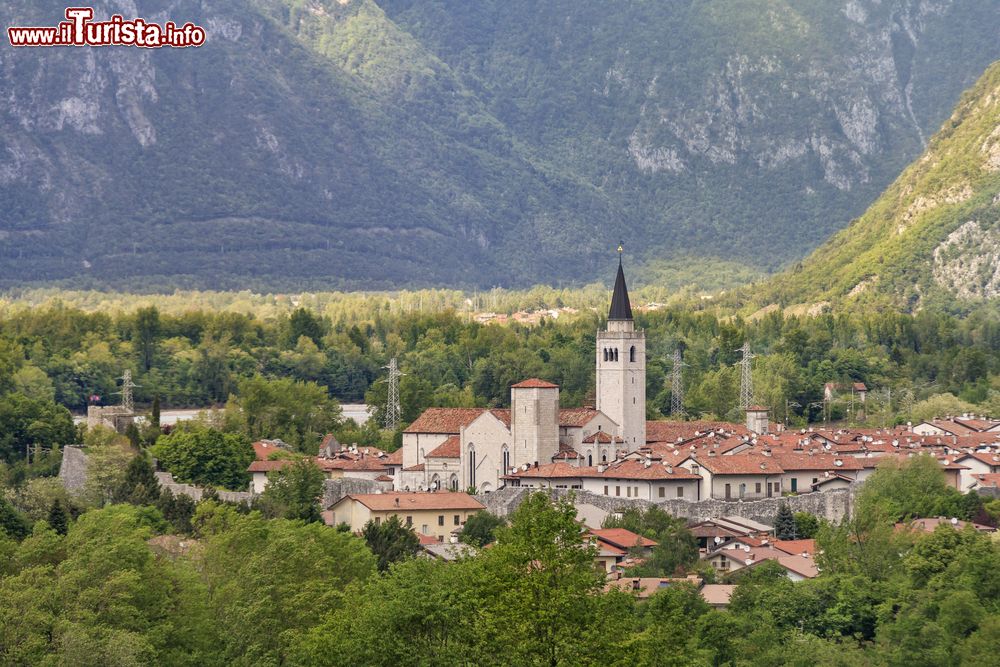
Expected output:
(197, 357)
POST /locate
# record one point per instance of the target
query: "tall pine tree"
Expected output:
(139, 485)
(58, 517)
(784, 523)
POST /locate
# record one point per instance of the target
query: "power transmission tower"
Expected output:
(746, 378)
(393, 411)
(128, 405)
(676, 387)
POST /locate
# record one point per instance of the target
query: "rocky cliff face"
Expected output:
(351, 143)
(932, 238)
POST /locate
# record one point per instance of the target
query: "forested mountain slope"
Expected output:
(931, 238)
(355, 143)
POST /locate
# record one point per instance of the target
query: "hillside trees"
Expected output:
(201, 455)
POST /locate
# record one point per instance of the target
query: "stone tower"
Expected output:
(534, 421)
(621, 367)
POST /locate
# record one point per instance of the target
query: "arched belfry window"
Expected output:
(506, 459)
(631, 354)
(605, 354)
(616, 354)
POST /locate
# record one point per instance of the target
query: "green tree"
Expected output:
(27, 422)
(293, 492)
(12, 522)
(676, 547)
(806, 525)
(784, 523)
(108, 457)
(390, 541)
(139, 485)
(479, 529)
(145, 333)
(154, 418)
(58, 517)
(299, 413)
(197, 454)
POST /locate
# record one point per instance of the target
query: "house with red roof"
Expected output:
(437, 515)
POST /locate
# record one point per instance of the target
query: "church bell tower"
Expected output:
(621, 367)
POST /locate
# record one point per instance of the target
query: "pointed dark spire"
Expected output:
(621, 308)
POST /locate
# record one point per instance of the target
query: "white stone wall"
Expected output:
(417, 445)
(621, 383)
(534, 425)
(487, 436)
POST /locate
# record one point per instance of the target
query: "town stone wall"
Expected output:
(73, 474)
(335, 489)
(830, 505)
(166, 481)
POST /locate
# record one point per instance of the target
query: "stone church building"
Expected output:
(462, 448)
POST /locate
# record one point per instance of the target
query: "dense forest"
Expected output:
(136, 578)
(55, 358)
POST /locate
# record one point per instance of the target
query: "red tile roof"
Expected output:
(576, 416)
(790, 461)
(622, 538)
(395, 458)
(263, 449)
(451, 448)
(637, 469)
(444, 420)
(796, 547)
(441, 500)
(740, 464)
(602, 438)
(534, 383)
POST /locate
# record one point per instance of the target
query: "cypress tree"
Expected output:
(155, 416)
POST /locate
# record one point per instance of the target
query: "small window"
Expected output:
(423, 529)
(440, 519)
(618, 490)
(458, 520)
(680, 491)
(663, 492)
(758, 487)
(409, 521)
(628, 491)
(605, 489)
(631, 354)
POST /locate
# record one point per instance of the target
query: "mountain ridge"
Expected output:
(359, 144)
(932, 237)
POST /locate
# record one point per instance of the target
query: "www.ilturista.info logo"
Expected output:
(80, 30)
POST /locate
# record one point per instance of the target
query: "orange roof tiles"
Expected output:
(444, 420)
(637, 469)
(789, 461)
(534, 383)
(797, 547)
(602, 438)
(740, 464)
(576, 416)
(451, 448)
(622, 538)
